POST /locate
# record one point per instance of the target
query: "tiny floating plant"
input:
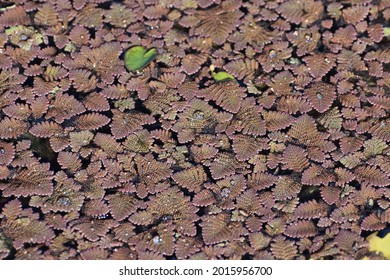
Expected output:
(221, 76)
(137, 57)
(386, 30)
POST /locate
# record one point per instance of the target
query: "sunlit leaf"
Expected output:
(379, 245)
(387, 31)
(222, 76)
(137, 57)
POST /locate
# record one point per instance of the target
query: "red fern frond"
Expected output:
(7, 153)
(211, 26)
(12, 128)
(241, 69)
(223, 165)
(34, 180)
(350, 60)
(345, 213)
(305, 39)
(305, 131)
(95, 208)
(64, 107)
(261, 181)
(93, 229)
(283, 249)
(159, 239)
(277, 120)
(330, 194)
(96, 102)
(380, 55)
(115, 91)
(228, 95)
(83, 80)
(356, 13)
(219, 228)
(292, 104)
(373, 147)
(108, 144)
(204, 198)
(80, 139)
(310, 210)
(79, 35)
(15, 16)
(301, 229)
(124, 124)
(385, 216)
(381, 130)
(45, 129)
(95, 254)
(295, 158)
(348, 241)
(124, 232)
(245, 146)
(230, 187)
(186, 247)
(70, 161)
(380, 101)
(191, 179)
(321, 96)
(344, 36)
(26, 229)
(316, 175)
(119, 15)
(17, 111)
(192, 63)
(198, 118)
(319, 65)
(173, 80)
(66, 196)
(372, 223)
(343, 176)
(12, 209)
(46, 16)
(371, 176)
(286, 188)
(122, 205)
(91, 121)
(352, 160)
(299, 12)
(155, 11)
(140, 141)
(248, 119)
(53, 73)
(169, 206)
(150, 172)
(259, 241)
(248, 203)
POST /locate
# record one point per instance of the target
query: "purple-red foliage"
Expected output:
(287, 158)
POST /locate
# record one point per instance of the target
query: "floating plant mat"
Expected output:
(194, 129)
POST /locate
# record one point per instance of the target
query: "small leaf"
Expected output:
(380, 245)
(137, 57)
(222, 76)
(387, 31)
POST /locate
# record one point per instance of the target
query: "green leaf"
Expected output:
(137, 57)
(387, 31)
(222, 76)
